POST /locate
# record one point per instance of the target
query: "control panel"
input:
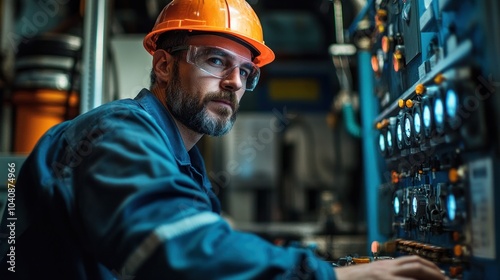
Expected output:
(437, 132)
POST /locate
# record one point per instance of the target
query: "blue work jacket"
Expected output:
(114, 194)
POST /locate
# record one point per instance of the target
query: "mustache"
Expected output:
(228, 96)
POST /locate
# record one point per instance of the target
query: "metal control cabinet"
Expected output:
(437, 132)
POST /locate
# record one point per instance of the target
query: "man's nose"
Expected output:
(233, 80)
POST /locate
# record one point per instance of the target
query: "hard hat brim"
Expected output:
(266, 55)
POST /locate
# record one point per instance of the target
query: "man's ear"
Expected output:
(162, 63)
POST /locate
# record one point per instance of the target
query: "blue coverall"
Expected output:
(114, 194)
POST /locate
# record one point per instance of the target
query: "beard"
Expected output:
(192, 112)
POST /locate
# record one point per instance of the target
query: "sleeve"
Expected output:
(143, 218)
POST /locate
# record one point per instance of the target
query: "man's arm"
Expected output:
(142, 217)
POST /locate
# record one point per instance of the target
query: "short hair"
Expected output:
(166, 41)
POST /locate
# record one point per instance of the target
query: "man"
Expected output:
(121, 191)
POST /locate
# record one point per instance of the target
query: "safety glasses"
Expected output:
(220, 63)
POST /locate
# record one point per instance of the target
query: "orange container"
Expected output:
(47, 69)
(37, 110)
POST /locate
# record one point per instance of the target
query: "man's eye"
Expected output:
(215, 61)
(244, 72)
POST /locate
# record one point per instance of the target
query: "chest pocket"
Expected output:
(204, 185)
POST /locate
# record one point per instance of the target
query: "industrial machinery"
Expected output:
(436, 86)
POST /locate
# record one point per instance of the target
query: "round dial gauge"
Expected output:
(452, 107)
(451, 103)
(427, 117)
(396, 205)
(399, 134)
(389, 139)
(381, 142)
(439, 114)
(417, 123)
(408, 129)
(451, 207)
(414, 205)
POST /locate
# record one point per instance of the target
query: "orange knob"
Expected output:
(382, 124)
(385, 122)
(395, 177)
(381, 14)
(398, 60)
(456, 174)
(386, 44)
(381, 17)
(457, 250)
(420, 89)
(453, 175)
(409, 103)
(439, 79)
(375, 64)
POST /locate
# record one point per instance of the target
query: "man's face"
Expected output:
(201, 102)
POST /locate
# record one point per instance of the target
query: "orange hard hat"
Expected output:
(234, 18)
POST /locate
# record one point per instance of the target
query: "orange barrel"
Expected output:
(47, 70)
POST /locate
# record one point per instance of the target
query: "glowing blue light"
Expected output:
(396, 205)
(451, 205)
(439, 111)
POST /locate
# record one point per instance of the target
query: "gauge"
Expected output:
(439, 114)
(427, 117)
(451, 207)
(452, 104)
(418, 205)
(408, 126)
(389, 138)
(396, 205)
(417, 123)
(399, 134)
(408, 129)
(438, 111)
(381, 143)
(414, 205)
(389, 142)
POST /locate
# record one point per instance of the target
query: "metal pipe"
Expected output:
(95, 33)
(8, 40)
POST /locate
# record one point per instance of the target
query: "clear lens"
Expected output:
(220, 63)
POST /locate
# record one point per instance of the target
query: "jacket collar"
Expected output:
(166, 122)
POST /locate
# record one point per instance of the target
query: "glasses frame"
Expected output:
(192, 50)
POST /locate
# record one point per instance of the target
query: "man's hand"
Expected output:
(407, 267)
